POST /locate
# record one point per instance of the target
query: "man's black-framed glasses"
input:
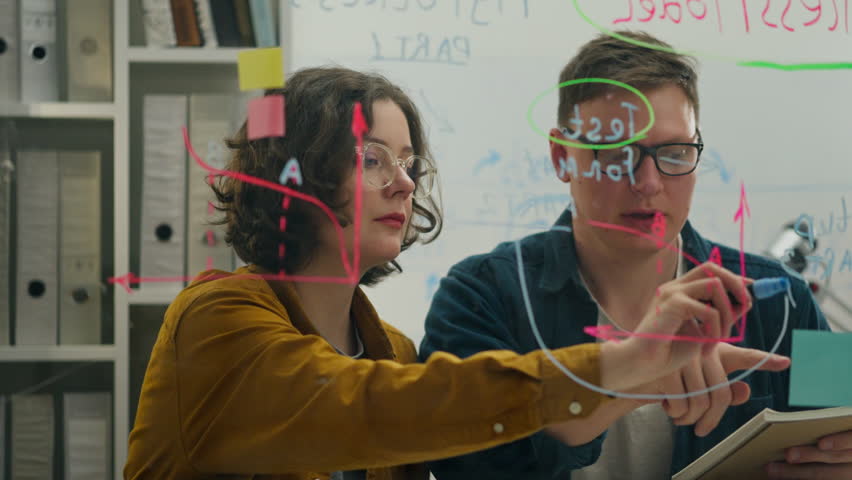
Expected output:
(672, 159)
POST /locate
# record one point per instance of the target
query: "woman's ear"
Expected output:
(558, 155)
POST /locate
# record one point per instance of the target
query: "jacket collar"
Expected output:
(377, 345)
(560, 266)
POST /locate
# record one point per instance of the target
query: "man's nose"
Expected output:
(649, 180)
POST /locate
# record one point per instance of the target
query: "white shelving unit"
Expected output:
(138, 70)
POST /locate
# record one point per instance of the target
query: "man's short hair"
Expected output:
(640, 67)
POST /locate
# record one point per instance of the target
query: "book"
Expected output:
(225, 23)
(185, 19)
(763, 439)
(244, 26)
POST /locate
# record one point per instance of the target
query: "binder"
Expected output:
(80, 234)
(32, 437)
(2, 437)
(9, 49)
(225, 22)
(6, 171)
(264, 19)
(89, 58)
(209, 124)
(244, 28)
(39, 70)
(186, 23)
(205, 23)
(37, 190)
(87, 440)
(163, 190)
(159, 27)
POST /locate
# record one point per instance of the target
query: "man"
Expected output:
(612, 252)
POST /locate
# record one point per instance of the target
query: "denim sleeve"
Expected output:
(467, 316)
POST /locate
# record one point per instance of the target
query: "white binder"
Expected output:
(163, 190)
(2, 437)
(39, 72)
(80, 236)
(6, 172)
(209, 124)
(32, 437)
(9, 51)
(205, 23)
(88, 34)
(36, 312)
(159, 26)
(86, 436)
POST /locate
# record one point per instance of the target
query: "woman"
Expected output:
(252, 375)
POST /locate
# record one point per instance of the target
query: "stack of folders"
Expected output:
(211, 23)
(178, 239)
(30, 55)
(85, 431)
(58, 268)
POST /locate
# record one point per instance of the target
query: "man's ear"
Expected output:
(558, 155)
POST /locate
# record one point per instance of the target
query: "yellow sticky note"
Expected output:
(261, 68)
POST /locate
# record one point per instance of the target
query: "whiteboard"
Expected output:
(473, 67)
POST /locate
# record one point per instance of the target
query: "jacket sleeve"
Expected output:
(255, 396)
(467, 316)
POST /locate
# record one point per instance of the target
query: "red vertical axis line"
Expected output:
(282, 226)
(740, 216)
(359, 127)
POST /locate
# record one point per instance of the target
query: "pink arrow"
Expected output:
(125, 280)
(742, 212)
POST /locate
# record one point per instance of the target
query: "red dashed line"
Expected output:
(210, 236)
(282, 225)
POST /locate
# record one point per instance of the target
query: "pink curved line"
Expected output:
(133, 279)
(598, 333)
(604, 333)
(351, 270)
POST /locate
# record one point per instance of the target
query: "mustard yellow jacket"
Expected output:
(241, 386)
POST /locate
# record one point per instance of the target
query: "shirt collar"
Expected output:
(377, 345)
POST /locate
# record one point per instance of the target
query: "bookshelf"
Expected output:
(131, 319)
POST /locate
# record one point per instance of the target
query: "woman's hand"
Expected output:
(696, 309)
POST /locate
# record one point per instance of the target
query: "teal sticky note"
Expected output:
(821, 372)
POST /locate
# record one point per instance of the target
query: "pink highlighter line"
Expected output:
(351, 270)
(603, 334)
(131, 278)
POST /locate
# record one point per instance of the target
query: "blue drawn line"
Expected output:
(713, 161)
(444, 121)
(492, 159)
(560, 199)
(641, 396)
(816, 188)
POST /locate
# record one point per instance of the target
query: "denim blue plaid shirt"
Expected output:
(479, 306)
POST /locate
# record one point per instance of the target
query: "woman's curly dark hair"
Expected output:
(319, 104)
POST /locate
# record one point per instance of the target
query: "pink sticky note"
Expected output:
(266, 117)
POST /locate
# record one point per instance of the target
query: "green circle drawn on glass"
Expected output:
(605, 146)
(788, 67)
